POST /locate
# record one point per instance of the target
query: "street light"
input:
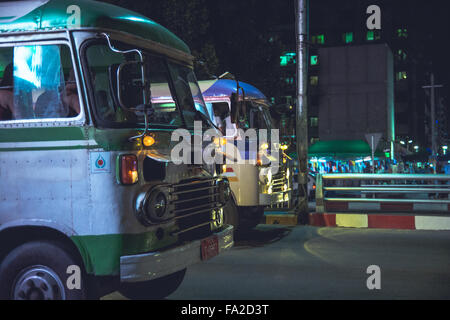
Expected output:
(416, 148)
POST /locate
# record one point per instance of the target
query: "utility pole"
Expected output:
(301, 125)
(433, 117)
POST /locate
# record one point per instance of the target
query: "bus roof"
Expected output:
(42, 15)
(224, 88)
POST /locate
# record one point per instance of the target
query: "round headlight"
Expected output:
(160, 205)
(156, 206)
(224, 190)
(227, 190)
(152, 206)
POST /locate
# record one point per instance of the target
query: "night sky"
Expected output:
(239, 32)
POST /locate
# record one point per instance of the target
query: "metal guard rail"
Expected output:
(409, 187)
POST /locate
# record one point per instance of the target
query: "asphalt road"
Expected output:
(304, 262)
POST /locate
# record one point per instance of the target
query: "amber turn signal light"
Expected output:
(128, 169)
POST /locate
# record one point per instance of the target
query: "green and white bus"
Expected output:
(90, 201)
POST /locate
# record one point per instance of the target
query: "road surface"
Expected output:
(304, 262)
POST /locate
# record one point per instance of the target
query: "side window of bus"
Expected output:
(38, 82)
(6, 82)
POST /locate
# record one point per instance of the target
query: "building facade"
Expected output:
(342, 24)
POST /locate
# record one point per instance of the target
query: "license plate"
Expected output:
(210, 247)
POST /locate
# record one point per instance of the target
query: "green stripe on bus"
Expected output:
(42, 134)
(101, 253)
(48, 148)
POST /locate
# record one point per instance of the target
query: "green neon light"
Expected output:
(402, 33)
(321, 39)
(348, 37)
(287, 58)
(166, 105)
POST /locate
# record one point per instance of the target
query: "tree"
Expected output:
(189, 20)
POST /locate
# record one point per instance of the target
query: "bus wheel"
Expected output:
(38, 271)
(152, 289)
(231, 214)
(250, 217)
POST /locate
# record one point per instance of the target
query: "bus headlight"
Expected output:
(158, 205)
(224, 190)
(152, 207)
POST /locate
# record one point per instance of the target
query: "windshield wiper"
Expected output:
(205, 118)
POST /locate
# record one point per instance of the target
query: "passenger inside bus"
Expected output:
(63, 102)
(37, 82)
(6, 93)
(222, 118)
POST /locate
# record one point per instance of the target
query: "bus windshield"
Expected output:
(175, 95)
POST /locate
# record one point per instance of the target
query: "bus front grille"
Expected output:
(279, 181)
(193, 202)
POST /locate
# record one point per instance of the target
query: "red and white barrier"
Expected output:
(380, 220)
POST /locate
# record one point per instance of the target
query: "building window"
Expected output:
(314, 122)
(314, 60)
(402, 33)
(401, 75)
(373, 35)
(314, 80)
(400, 55)
(287, 58)
(347, 37)
(289, 80)
(318, 39)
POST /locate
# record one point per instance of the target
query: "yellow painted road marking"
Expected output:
(352, 220)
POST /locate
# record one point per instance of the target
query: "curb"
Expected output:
(386, 207)
(282, 218)
(380, 221)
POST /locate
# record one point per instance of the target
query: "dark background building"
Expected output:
(355, 92)
(414, 32)
(255, 40)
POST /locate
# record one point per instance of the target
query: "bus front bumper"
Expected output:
(267, 199)
(153, 265)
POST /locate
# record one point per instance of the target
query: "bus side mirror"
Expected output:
(131, 86)
(238, 112)
(234, 108)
